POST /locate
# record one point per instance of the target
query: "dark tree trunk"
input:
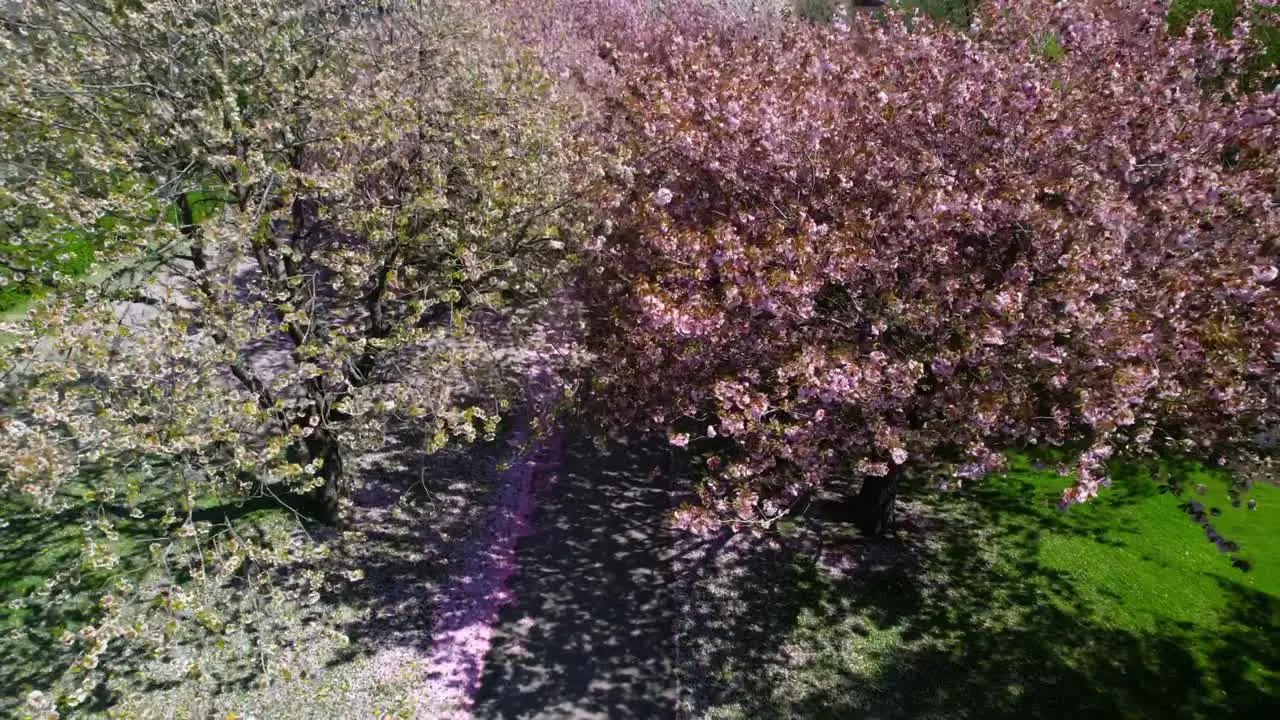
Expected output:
(876, 501)
(323, 445)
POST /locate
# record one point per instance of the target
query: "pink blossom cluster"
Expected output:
(844, 250)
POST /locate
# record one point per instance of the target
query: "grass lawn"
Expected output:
(35, 546)
(75, 256)
(72, 258)
(994, 603)
(323, 653)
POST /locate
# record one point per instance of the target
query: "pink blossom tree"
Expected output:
(846, 250)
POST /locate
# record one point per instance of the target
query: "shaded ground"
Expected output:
(986, 604)
(983, 604)
(590, 631)
(992, 604)
(410, 512)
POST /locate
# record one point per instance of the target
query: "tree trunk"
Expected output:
(876, 501)
(323, 445)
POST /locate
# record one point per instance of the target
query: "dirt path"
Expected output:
(466, 610)
(590, 630)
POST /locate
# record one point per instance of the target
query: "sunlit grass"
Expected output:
(1009, 607)
(74, 256)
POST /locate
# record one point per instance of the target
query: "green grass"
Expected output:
(75, 254)
(955, 12)
(823, 11)
(72, 258)
(1224, 12)
(1002, 606)
(37, 545)
(1181, 12)
(1049, 46)
(1265, 29)
(1151, 563)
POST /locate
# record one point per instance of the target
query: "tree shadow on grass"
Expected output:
(1020, 502)
(35, 546)
(982, 630)
(1052, 662)
(40, 544)
(410, 511)
(955, 617)
(1245, 658)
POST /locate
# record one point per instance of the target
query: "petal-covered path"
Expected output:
(590, 628)
(466, 612)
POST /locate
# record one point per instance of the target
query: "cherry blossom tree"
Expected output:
(316, 226)
(377, 188)
(848, 250)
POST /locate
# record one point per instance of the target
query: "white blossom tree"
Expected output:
(315, 225)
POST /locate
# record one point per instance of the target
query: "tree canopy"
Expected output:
(815, 255)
